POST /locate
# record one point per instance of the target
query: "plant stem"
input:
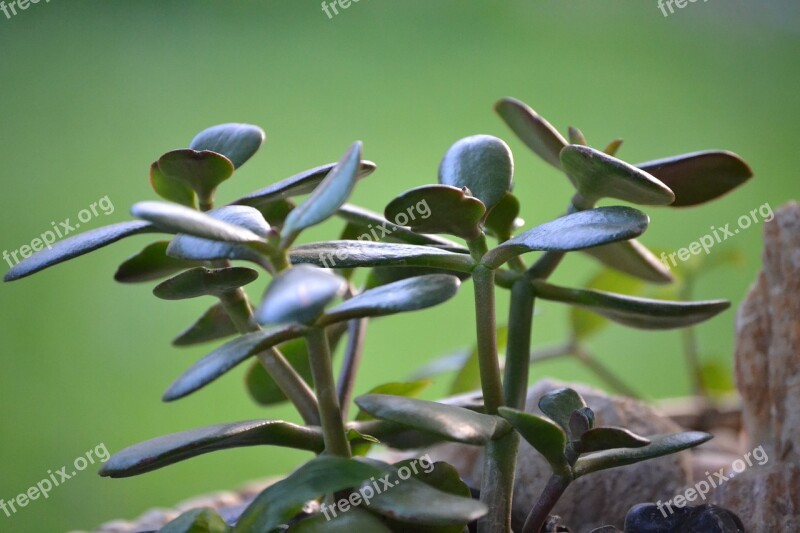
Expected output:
(330, 414)
(520, 323)
(497, 484)
(545, 265)
(356, 331)
(485, 323)
(555, 487)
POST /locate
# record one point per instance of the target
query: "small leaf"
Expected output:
(482, 164)
(213, 325)
(202, 281)
(327, 197)
(297, 185)
(76, 246)
(237, 142)
(559, 405)
(502, 220)
(150, 264)
(632, 258)
(377, 228)
(532, 129)
(597, 175)
(198, 249)
(450, 210)
(283, 500)
(635, 312)
(409, 294)
(576, 136)
(354, 520)
(452, 423)
(660, 445)
(171, 189)
(170, 449)
(299, 295)
(542, 434)
(227, 357)
(607, 438)
(613, 147)
(179, 219)
(580, 421)
(585, 324)
(202, 172)
(575, 231)
(348, 254)
(701, 176)
(204, 520)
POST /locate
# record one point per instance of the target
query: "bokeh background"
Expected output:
(93, 92)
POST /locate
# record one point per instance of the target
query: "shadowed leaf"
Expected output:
(408, 390)
(237, 142)
(542, 434)
(607, 438)
(532, 129)
(299, 295)
(213, 325)
(559, 405)
(481, 163)
(202, 172)
(502, 220)
(204, 520)
(450, 210)
(353, 521)
(150, 264)
(202, 281)
(633, 258)
(171, 189)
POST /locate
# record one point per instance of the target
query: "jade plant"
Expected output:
(313, 304)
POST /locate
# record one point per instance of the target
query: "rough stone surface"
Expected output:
(600, 498)
(768, 377)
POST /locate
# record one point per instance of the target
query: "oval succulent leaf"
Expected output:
(580, 421)
(632, 258)
(228, 356)
(532, 129)
(559, 405)
(202, 172)
(598, 175)
(77, 246)
(203, 281)
(542, 434)
(659, 446)
(353, 520)
(349, 254)
(150, 264)
(699, 177)
(452, 423)
(299, 184)
(203, 520)
(180, 219)
(328, 196)
(280, 502)
(482, 164)
(410, 294)
(237, 142)
(213, 325)
(575, 231)
(193, 248)
(450, 210)
(583, 323)
(299, 295)
(635, 312)
(502, 220)
(171, 189)
(170, 449)
(607, 438)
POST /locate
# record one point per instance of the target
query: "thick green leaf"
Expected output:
(502, 220)
(202, 172)
(585, 324)
(198, 249)
(597, 175)
(395, 388)
(150, 264)
(170, 449)
(227, 357)
(213, 325)
(607, 438)
(483, 164)
(575, 231)
(299, 184)
(76, 246)
(328, 196)
(237, 142)
(171, 189)
(449, 210)
(659, 445)
(559, 405)
(542, 434)
(299, 295)
(635, 312)
(280, 502)
(452, 423)
(532, 129)
(204, 520)
(348, 254)
(409, 294)
(633, 258)
(203, 281)
(179, 219)
(353, 521)
(699, 177)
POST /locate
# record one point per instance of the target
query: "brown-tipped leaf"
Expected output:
(449, 210)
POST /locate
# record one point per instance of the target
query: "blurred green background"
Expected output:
(93, 92)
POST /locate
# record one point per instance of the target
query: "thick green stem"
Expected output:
(520, 322)
(497, 484)
(556, 486)
(330, 414)
(483, 281)
(356, 331)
